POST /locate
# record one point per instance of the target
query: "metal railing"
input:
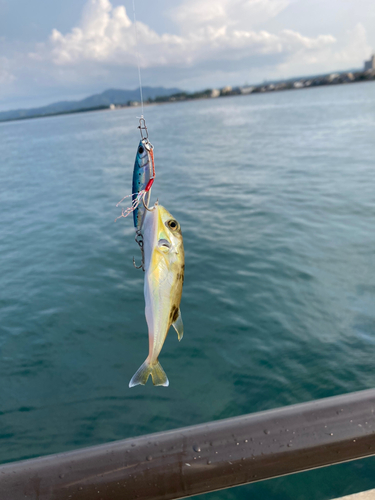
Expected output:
(203, 458)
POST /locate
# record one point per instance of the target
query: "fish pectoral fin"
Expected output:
(145, 370)
(178, 326)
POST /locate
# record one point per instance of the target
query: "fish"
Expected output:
(164, 277)
(143, 177)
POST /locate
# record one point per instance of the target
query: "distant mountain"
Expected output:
(97, 101)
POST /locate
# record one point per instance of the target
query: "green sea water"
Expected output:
(275, 194)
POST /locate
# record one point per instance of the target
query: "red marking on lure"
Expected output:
(149, 184)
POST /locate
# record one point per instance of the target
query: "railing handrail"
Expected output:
(203, 458)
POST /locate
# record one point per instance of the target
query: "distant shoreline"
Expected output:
(295, 84)
(83, 110)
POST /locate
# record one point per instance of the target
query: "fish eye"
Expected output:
(140, 150)
(173, 224)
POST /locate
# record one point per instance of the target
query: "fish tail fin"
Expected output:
(145, 370)
(158, 375)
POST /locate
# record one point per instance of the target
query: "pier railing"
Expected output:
(203, 458)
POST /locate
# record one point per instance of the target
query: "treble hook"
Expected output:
(138, 267)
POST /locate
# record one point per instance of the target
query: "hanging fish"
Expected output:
(164, 277)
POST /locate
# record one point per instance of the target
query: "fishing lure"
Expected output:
(143, 178)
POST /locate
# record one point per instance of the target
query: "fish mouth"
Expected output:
(164, 244)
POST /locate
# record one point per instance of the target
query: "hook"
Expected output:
(138, 267)
(139, 240)
(146, 207)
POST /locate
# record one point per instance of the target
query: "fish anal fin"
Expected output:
(178, 326)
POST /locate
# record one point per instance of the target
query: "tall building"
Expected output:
(370, 65)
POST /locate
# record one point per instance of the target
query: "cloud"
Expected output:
(356, 48)
(209, 31)
(326, 58)
(193, 13)
(208, 44)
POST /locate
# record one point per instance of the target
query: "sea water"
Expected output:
(275, 194)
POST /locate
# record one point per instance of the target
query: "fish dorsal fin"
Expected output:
(178, 326)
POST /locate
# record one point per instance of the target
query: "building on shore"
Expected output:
(370, 65)
(226, 90)
(246, 89)
(298, 85)
(215, 93)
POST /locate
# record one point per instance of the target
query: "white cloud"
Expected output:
(326, 58)
(356, 48)
(207, 43)
(214, 44)
(210, 31)
(243, 13)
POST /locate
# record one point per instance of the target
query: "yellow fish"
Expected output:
(164, 277)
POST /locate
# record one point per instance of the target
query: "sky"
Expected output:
(66, 50)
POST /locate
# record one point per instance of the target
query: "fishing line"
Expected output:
(140, 195)
(137, 53)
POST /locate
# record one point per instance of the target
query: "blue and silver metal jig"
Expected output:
(143, 178)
